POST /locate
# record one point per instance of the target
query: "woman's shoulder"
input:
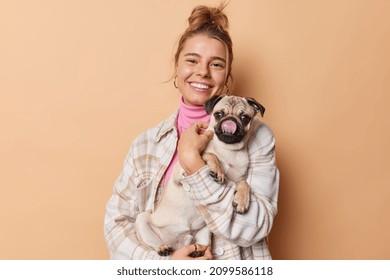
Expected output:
(262, 134)
(157, 132)
(262, 129)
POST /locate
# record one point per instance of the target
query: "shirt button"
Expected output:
(186, 188)
(219, 251)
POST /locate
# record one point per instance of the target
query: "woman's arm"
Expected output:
(121, 213)
(191, 146)
(215, 200)
(122, 210)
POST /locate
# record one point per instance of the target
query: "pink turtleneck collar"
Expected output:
(188, 114)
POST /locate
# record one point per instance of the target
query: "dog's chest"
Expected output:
(235, 171)
(234, 162)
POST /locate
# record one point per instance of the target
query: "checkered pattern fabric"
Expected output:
(139, 188)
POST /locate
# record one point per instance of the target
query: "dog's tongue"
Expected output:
(229, 126)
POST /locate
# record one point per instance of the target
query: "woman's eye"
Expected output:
(218, 65)
(192, 61)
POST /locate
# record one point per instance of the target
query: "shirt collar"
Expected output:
(167, 126)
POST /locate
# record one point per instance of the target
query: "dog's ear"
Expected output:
(210, 104)
(258, 107)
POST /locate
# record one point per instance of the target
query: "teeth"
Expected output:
(201, 86)
(227, 131)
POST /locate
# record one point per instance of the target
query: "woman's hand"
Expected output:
(192, 143)
(184, 252)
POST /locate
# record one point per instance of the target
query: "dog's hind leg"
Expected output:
(202, 237)
(148, 236)
(241, 198)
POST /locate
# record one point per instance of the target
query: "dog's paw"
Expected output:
(216, 169)
(239, 209)
(218, 177)
(240, 204)
(196, 254)
(164, 250)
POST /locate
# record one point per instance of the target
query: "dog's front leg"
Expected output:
(148, 236)
(241, 198)
(216, 170)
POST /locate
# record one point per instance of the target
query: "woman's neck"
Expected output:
(189, 114)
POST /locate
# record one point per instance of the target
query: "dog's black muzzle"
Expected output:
(227, 137)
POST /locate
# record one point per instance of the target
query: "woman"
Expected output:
(203, 66)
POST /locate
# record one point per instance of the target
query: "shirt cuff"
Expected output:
(201, 186)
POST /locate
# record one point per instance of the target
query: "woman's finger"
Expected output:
(195, 247)
(208, 133)
(200, 125)
(200, 248)
(207, 254)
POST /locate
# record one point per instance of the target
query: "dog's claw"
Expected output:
(217, 178)
(196, 254)
(239, 209)
(219, 181)
(164, 250)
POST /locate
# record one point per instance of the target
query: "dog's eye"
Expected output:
(245, 119)
(218, 115)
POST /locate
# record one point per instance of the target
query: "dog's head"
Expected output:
(231, 116)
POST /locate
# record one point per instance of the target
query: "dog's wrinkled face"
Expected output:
(232, 116)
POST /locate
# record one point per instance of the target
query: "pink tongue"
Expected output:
(229, 126)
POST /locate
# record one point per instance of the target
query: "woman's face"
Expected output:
(201, 69)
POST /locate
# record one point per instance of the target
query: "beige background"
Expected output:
(80, 79)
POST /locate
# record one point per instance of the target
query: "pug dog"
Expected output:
(176, 222)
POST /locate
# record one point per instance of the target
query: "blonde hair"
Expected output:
(213, 23)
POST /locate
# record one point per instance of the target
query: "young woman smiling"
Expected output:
(203, 63)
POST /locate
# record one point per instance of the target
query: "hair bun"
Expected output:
(203, 16)
(211, 22)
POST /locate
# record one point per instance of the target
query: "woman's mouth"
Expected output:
(199, 86)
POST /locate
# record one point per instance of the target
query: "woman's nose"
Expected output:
(203, 71)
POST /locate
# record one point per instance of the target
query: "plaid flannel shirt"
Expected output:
(139, 188)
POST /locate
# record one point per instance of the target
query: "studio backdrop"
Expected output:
(79, 80)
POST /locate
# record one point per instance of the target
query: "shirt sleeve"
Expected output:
(215, 200)
(121, 213)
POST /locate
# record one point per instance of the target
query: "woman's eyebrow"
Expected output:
(212, 58)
